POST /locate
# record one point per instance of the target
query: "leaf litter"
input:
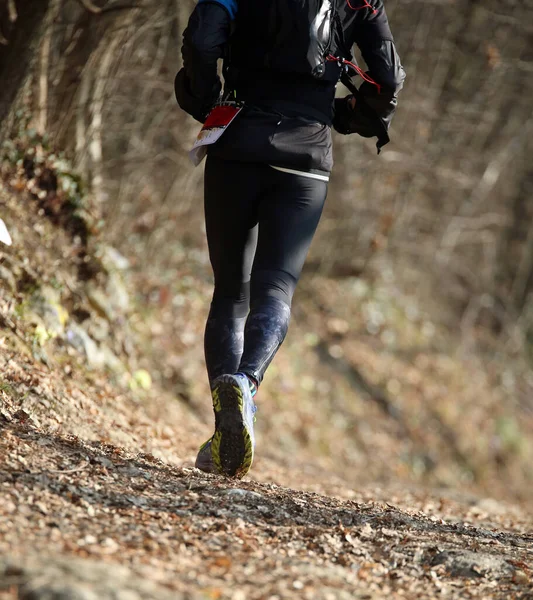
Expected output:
(82, 508)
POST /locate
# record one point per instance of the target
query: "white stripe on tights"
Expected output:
(302, 173)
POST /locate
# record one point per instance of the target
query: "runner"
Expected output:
(266, 177)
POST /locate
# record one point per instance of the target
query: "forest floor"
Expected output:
(82, 518)
(99, 499)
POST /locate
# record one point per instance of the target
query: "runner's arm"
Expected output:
(373, 36)
(198, 85)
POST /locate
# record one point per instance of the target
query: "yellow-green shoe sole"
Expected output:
(232, 445)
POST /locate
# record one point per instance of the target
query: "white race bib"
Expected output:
(215, 125)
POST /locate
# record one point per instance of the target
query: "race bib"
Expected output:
(216, 123)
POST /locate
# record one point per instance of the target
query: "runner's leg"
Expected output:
(289, 213)
(231, 199)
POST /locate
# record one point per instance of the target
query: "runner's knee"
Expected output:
(231, 299)
(272, 284)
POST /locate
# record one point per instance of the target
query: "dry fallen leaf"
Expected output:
(4, 234)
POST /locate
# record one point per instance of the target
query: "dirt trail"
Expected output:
(71, 510)
(99, 501)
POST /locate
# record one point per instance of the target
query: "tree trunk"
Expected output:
(22, 26)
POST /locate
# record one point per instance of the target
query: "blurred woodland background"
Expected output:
(409, 357)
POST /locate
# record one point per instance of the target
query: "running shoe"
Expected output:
(204, 459)
(233, 443)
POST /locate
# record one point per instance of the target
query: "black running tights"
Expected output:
(259, 223)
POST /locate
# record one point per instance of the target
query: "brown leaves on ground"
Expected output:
(185, 532)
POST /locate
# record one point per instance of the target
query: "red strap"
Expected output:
(357, 69)
(365, 5)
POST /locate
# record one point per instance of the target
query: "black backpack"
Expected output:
(302, 30)
(296, 38)
(286, 36)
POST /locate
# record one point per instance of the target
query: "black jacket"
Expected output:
(285, 115)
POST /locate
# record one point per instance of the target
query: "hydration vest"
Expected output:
(286, 37)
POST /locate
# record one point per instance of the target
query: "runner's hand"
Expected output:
(352, 116)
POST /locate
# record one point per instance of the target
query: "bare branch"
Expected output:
(13, 15)
(96, 10)
(92, 8)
